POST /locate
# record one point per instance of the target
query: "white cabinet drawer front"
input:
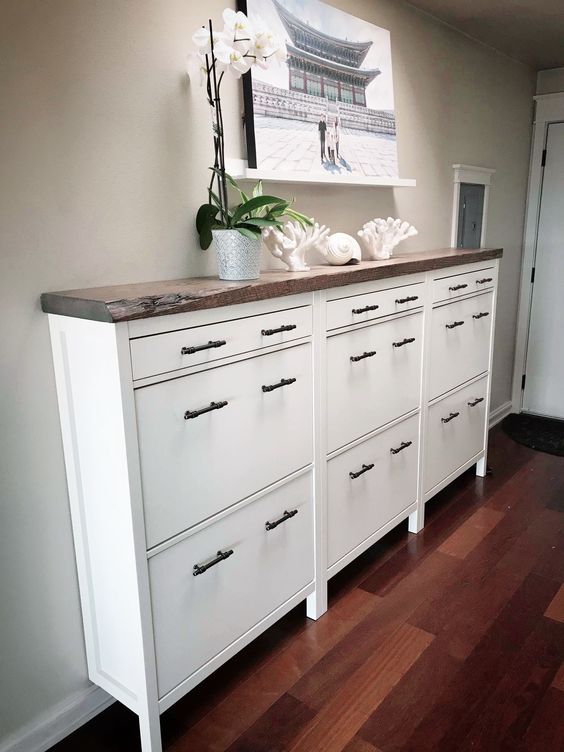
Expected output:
(196, 617)
(162, 353)
(373, 305)
(449, 288)
(373, 377)
(460, 342)
(192, 467)
(385, 485)
(455, 431)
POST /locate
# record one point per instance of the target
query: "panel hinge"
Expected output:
(533, 275)
(543, 160)
(523, 379)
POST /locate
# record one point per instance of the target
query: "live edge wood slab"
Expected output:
(147, 299)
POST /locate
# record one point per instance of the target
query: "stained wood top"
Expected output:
(147, 299)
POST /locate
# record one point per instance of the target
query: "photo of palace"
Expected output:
(318, 116)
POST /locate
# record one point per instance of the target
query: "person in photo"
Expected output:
(322, 128)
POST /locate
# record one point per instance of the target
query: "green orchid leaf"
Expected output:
(248, 233)
(260, 222)
(206, 213)
(253, 205)
(206, 238)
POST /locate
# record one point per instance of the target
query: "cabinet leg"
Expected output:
(317, 602)
(150, 728)
(416, 520)
(482, 467)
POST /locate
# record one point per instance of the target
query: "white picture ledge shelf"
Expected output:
(238, 169)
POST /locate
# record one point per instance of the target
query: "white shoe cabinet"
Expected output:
(223, 463)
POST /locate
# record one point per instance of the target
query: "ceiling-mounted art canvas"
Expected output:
(328, 111)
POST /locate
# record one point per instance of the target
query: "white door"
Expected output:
(544, 384)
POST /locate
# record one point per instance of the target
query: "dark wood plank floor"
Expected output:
(451, 641)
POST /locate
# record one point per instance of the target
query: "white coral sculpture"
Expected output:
(379, 237)
(291, 243)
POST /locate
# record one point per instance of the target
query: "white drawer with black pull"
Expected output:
(212, 438)
(373, 377)
(456, 428)
(373, 305)
(171, 351)
(369, 485)
(460, 342)
(449, 287)
(211, 588)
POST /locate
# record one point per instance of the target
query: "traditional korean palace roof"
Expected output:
(366, 76)
(350, 54)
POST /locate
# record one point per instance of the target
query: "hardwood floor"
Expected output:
(450, 641)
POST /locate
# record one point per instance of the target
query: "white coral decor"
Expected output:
(379, 237)
(291, 243)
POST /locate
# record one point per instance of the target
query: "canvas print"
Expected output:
(329, 109)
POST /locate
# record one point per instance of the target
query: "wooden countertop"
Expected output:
(147, 299)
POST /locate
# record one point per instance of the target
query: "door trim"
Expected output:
(549, 108)
(479, 176)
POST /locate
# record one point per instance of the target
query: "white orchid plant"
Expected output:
(236, 49)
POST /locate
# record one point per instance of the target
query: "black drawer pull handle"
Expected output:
(402, 446)
(406, 341)
(212, 406)
(480, 315)
(483, 281)
(454, 324)
(475, 402)
(409, 299)
(282, 382)
(197, 348)
(369, 354)
(285, 516)
(201, 568)
(452, 416)
(366, 308)
(283, 328)
(454, 288)
(365, 469)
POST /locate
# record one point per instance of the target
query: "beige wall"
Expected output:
(550, 81)
(104, 153)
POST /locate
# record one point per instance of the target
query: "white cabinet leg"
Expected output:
(416, 520)
(481, 467)
(317, 602)
(150, 728)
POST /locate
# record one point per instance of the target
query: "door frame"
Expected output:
(549, 108)
(478, 176)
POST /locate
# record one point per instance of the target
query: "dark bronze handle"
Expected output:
(452, 416)
(402, 446)
(409, 299)
(281, 383)
(285, 516)
(406, 341)
(366, 308)
(197, 348)
(483, 281)
(480, 315)
(212, 406)
(356, 358)
(283, 328)
(475, 402)
(365, 469)
(201, 568)
(454, 324)
(457, 287)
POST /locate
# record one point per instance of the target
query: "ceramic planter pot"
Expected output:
(238, 257)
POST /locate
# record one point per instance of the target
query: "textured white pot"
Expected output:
(238, 257)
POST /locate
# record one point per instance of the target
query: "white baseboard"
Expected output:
(53, 726)
(501, 412)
